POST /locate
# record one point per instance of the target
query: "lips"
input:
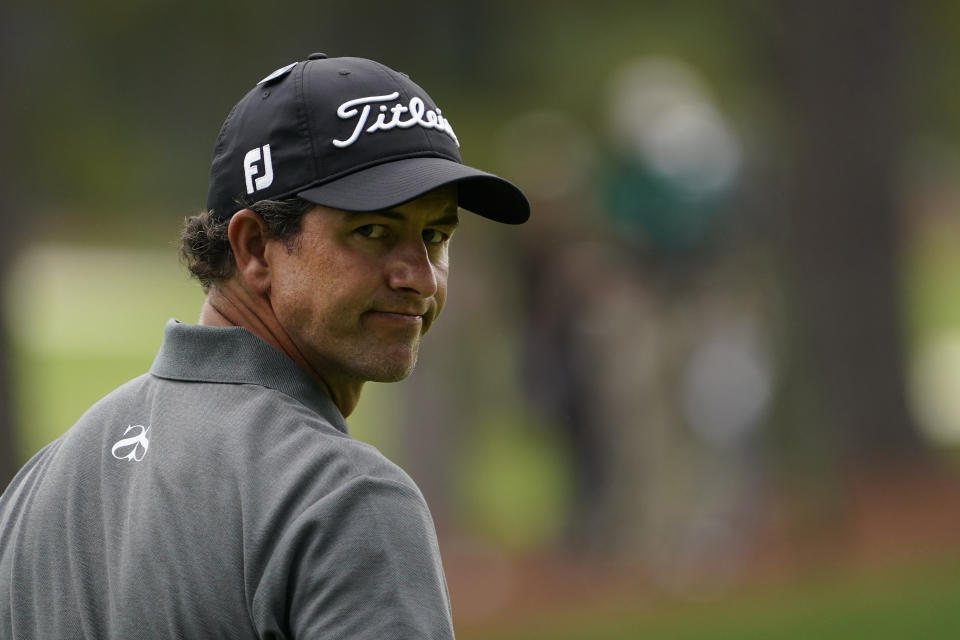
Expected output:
(404, 312)
(401, 312)
(399, 316)
(400, 309)
(403, 317)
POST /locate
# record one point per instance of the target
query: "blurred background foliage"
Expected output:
(723, 353)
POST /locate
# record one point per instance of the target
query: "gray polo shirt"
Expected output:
(218, 496)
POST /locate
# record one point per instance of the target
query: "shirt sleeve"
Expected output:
(360, 563)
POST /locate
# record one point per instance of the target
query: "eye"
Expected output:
(372, 231)
(433, 236)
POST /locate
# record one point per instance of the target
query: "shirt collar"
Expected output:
(234, 355)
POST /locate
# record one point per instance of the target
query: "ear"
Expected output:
(248, 239)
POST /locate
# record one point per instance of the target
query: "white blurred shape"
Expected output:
(727, 384)
(935, 373)
(661, 114)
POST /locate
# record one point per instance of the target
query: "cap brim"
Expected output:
(391, 184)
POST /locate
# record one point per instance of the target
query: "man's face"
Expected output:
(358, 290)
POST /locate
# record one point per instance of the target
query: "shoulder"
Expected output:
(307, 457)
(281, 456)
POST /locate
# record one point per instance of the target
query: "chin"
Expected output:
(389, 369)
(389, 374)
(392, 377)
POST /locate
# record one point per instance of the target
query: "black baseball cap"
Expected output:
(350, 134)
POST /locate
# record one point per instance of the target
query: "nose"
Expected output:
(410, 269)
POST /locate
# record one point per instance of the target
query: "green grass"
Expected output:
(918, 601)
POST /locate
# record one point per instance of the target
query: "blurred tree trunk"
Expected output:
(842, 65)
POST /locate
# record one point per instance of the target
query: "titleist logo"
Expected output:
(419, 115)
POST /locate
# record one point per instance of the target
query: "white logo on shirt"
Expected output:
(250, 168)
(135, 446)
(419, 115)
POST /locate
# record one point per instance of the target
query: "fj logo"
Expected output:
(251, 168)
(134, 447)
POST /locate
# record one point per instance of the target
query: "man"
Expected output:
(220, 495)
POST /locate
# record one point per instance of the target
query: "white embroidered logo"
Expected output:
(419, 115)
(135, 446)
(250, 168)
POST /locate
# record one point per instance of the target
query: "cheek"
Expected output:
(287, 301)
(329, 292)
(294, 290)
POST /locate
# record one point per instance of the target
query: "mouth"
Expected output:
(401, 318)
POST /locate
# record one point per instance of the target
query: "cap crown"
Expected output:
(316, 121)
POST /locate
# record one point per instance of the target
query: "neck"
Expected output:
(228, 305)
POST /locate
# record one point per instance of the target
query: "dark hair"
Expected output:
(205, 247)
